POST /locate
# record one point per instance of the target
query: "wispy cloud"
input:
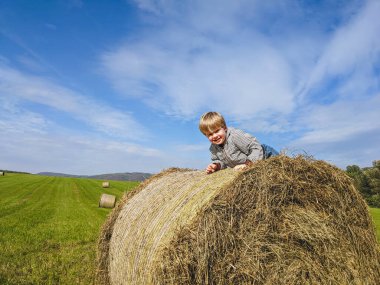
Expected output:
(30, 63)
(353, 51)
(192, 147)
(340, 121)
(201, 58)
(15, 121)
(73, 153)
(31, 142)
(341, 98)
(97, 114)
(31, 58)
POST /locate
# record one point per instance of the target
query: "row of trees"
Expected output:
(11, 171)
(367, 181)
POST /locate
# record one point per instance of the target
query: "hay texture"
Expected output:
(107, 201)
(283, 221)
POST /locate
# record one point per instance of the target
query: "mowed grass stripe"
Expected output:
(375, 213)
(21, 195)
(18, 196)
(25, 231)
(49, 227)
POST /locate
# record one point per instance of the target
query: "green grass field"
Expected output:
(49, 228)
(375, 213)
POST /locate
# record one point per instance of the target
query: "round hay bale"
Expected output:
(283, 221)
(106, 184)
(107, 201)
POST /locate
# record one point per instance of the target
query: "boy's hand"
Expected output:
(212, 167)
(240, 167)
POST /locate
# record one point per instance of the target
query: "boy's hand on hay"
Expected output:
(212, 167)
(240, 167)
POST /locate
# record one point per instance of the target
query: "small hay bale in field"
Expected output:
(106, 184)
(283, 221)
(2, 173)
(107, 201)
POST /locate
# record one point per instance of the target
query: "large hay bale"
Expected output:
(107, 201)
(283, 221)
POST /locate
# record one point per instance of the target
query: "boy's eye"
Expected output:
(214, 132)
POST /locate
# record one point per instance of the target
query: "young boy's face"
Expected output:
(218, 136)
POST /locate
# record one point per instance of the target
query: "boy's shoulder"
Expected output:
(232, 130)
(235, 132)
(237, 135)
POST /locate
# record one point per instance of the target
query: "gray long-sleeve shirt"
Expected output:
(238, 147)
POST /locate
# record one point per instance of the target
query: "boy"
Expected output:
(230, 147)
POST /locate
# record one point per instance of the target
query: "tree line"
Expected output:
(12, 171)
(367, 181)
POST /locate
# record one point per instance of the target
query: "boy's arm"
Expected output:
(215, 159)
(249, 145)
(215, 164)
(212, 167)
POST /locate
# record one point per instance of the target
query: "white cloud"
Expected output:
(33, 143)
(149, 5)
(17, 122)
(183, 72)
(26, 148)
(353, 49)
(22, 88)
(341, 120)
(341, 132)
(192, 147)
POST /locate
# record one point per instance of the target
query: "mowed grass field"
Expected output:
(375, 213)
(49, 228)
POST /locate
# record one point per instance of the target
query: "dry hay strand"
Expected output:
(283, 221)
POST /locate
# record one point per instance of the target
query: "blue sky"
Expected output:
(89, 87)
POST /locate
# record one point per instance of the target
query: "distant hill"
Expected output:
(126, 176)
(59, 174)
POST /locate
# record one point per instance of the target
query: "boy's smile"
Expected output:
(218, 136)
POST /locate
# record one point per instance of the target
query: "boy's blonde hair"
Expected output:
(210, 122)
